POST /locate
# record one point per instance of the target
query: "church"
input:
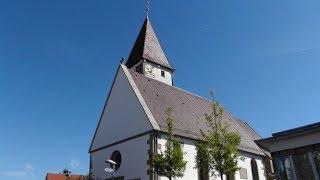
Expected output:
(132, 125)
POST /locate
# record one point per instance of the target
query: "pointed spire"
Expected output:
(147, 47)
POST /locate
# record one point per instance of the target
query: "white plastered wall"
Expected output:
(191, 173)
(134, 154)
(167, 79)
(245, 162)
(123, 116)
(157, 74)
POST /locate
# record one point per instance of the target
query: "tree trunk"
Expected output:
(170, 178)
(221, 175)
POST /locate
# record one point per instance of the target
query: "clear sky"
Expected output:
(58, 59)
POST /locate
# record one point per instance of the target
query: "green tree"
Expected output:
(170, 163)
(218, 148)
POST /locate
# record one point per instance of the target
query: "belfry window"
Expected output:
(163, 73)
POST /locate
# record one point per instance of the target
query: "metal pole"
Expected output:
(113, 169)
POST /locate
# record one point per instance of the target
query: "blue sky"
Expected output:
(58, 59)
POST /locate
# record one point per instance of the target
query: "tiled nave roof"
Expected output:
(188, 111)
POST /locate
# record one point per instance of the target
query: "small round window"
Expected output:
(116, 157)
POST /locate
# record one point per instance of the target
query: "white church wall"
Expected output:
(189, 155)
(134, 154)
(154, 72)
(122, 110)
(191, 173)
(166, 79)
(246, 163)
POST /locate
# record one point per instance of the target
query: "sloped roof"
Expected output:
(147, 47)
(306, 128)
(188, 111)
(55, 176)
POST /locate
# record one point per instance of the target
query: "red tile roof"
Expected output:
(54, 176)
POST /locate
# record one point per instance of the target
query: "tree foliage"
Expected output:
(170, 163)
(217, 151)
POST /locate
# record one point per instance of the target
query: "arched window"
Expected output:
(254, 169)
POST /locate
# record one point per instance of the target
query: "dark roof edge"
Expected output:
(297, 130)
(250, 127)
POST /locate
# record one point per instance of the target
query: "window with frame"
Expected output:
(243, 173)
(254, 169)
(163, 73)
(284, 167)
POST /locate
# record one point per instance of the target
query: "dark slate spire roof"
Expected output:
(147, 47)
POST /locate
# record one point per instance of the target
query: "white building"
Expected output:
(133, 121)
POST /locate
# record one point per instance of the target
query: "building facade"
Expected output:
(132, 125)
(295, 152)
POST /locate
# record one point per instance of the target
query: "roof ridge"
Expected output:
(246, 123)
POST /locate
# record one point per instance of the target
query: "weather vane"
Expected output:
(147, 8)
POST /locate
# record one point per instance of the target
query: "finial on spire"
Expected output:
(147, 8)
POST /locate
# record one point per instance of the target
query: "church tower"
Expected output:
(147, 56)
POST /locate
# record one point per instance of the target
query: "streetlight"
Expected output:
(113, 169)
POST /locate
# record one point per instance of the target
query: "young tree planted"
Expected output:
(217, 151)
(170, 163)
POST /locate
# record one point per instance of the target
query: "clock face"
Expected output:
(149, 70)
